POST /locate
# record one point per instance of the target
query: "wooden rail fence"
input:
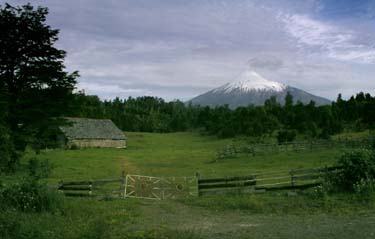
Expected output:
(268, 149)
(173, 187)
(99, 187)
(256, 183)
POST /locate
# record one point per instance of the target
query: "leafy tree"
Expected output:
(8, 156)
(288, 100)
(7, 152)
(35, 85)
(288, 115)
(285, 136)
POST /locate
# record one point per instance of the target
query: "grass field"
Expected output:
(175, 154)
(269, 215)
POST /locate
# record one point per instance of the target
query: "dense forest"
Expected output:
(151, 114)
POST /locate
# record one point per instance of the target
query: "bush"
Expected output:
(284, 136)
(358, 170)
(365, 189)
(229, 151)
(74, 147)
(29, 195)
(8, 155)
(39, 169)
(324, 134)
(15, 225)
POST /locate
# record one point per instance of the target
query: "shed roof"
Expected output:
(83, 128)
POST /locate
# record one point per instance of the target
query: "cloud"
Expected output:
(108, 91)
(328, 39)
(265, 62)
(179, 49)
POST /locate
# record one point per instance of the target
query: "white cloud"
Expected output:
(328, 39)
(107, 91)
(179, 49)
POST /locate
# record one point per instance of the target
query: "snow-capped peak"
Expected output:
(249, 81)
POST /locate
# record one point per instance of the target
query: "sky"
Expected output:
(178, 49)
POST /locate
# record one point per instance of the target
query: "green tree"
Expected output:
(7, 153)
(288, 114)
(8, 156)
(288, 100)
(36, 87)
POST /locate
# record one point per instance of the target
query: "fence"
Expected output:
(268, 149)
(132, 186)
(103, 187)
(138, 186)
(256, 183)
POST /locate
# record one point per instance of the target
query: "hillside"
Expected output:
(251, 88)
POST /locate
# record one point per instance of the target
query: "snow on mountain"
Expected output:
(251, 88)
(250, 80)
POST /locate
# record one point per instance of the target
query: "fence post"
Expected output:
(122, 187)
(90, 190)
(198, 176)
(61, 183)
(292, 178)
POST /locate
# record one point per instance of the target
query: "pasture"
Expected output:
(269, 215)
(175, 154)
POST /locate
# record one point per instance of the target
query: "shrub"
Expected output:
(8, 155)
(14, 225)
(29, 195)
(358, 168)
(74, 147)
(365, 189)
(39, 168)
(284, 136)
(229, 151)
(324, 134)
(226, 131)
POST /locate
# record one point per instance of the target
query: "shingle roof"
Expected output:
(82, 128)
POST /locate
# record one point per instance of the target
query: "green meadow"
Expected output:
(305, 214)
(175, 154)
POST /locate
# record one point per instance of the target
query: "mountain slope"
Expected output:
(251, 88)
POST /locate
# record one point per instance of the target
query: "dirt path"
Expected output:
(183, 217)
(237, 224)
(127, 167)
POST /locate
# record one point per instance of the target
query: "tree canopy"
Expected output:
(35, 87)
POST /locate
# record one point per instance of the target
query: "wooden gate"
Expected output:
(138, 186)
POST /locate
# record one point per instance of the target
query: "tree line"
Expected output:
(152, 114)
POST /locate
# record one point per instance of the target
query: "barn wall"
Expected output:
(96, 143)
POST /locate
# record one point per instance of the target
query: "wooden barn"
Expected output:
(91, 133)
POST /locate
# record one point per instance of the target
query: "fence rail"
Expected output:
(159, 188)
(86, 188)
(283, 180)
(267, 149)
